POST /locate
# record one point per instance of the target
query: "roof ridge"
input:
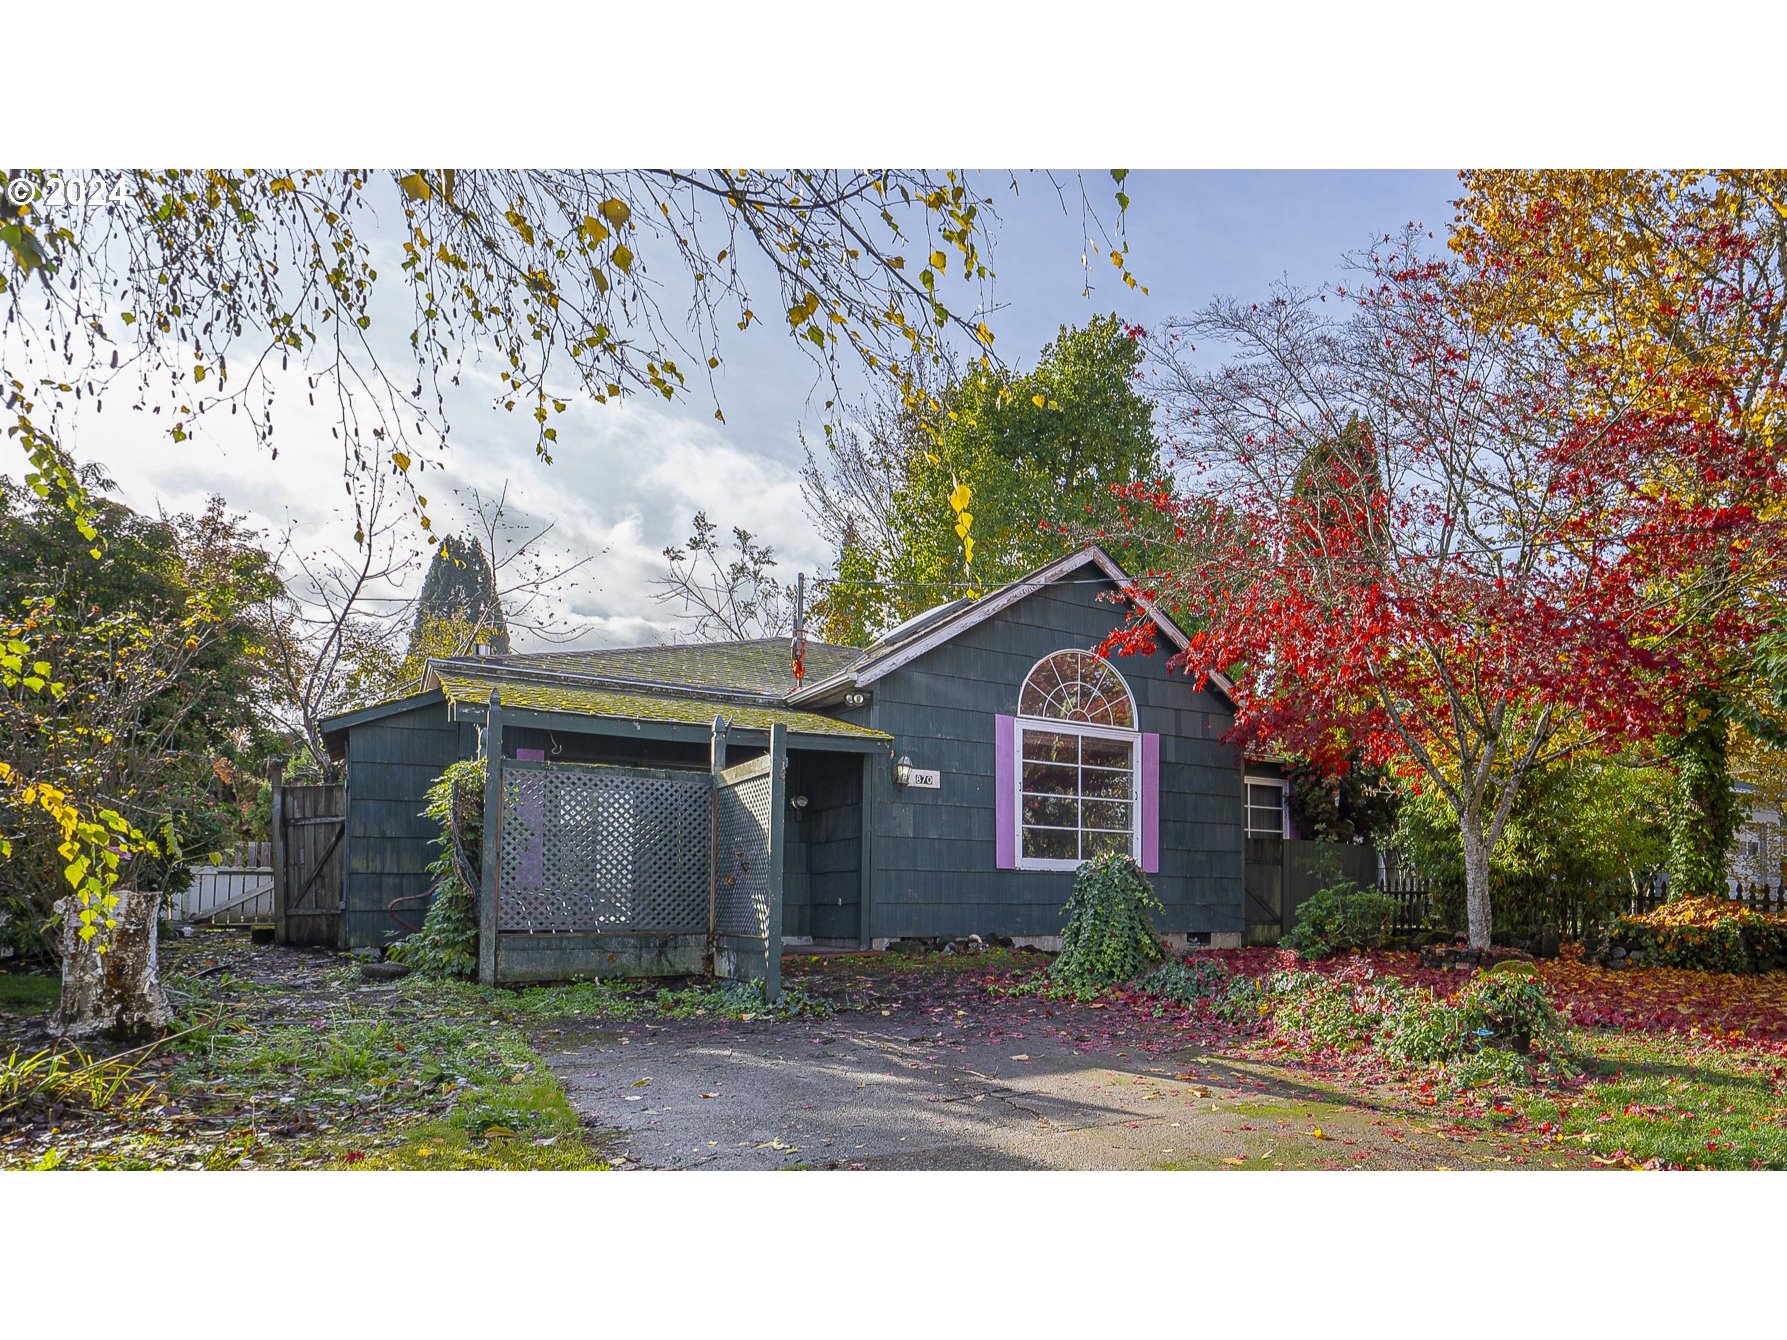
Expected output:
(673, 646)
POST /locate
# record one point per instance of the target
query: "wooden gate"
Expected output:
(309, 834)
(1280, 874)
(1262, 882)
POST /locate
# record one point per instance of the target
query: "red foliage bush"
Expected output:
(1728, 1007)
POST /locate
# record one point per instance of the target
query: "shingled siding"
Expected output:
(391, 763)
(822, 878)
(933, 854)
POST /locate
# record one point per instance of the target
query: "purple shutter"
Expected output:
(1005, 791)
(1151, 803)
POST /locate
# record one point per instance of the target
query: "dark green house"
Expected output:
(678, 807)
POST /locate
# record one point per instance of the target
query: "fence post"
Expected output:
(492, 858)
(276, 780)
(778, 825)
(716, 765)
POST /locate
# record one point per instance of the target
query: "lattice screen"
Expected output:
(588, 850)
(743, 857)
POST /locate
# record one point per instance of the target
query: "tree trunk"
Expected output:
(115, 996)
(1703, 814)
(1479, 915)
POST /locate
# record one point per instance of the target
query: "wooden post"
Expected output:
(865, 892)
(716, 765)
(490, 875)
(778, 824)
(276, 781)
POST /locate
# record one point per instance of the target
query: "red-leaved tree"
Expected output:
(1401, 535)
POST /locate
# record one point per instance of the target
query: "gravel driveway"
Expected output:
(901, 1089)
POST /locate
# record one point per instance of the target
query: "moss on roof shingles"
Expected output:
(600, 702)
(756, 666)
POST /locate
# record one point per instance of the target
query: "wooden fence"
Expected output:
(1629, 898)
(237, 891)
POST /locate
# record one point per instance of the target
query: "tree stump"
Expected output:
(116, 995)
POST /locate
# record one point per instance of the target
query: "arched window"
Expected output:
(1078, 763)
(1077, 686)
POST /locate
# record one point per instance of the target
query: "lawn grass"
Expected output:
(619, 1001)
(279, 1062)
(29, 993)
(1672, 1102)
(443, 1080)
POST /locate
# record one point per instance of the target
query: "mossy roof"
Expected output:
(758, 665)
(541, 696)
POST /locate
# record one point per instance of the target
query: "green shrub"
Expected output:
(1426, 1031)
(1490, 1068)
(1245, 1001)
(1340, 916)
(1476, 1038)
(1741, 940)
(1511, 1012)
(1494, 1010)
(1325, 1014)
(1186, 981)
(740, 1000)
(447, 944)
(1107, 937)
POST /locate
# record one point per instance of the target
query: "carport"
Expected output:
(623, 838)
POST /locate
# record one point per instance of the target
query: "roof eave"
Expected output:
(338, 726)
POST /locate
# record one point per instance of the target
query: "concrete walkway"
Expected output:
(864, 1090)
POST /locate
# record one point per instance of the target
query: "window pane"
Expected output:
(1054, 811)
(1263, 797)
(1097, 844)
(1106, 784)
(1106, 753)
(1111, 814)
(1077, 686)
(1051, 844)
(1051, 779)
(1051, 747)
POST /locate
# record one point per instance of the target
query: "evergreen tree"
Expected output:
(459, 604)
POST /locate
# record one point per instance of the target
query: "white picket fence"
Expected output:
(239, 892)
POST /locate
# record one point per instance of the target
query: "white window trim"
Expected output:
(1284, 806)
(1057, 726)
(1135, 713)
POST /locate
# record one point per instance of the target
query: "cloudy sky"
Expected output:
(628, 476)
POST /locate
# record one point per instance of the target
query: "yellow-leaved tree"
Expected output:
(1668, 289)
(191, 294)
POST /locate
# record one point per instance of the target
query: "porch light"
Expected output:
(903, 771)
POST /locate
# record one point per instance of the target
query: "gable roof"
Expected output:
(918, 635)
(747, 680)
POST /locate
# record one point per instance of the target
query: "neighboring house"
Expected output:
(1759, 853)
(945, 781)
